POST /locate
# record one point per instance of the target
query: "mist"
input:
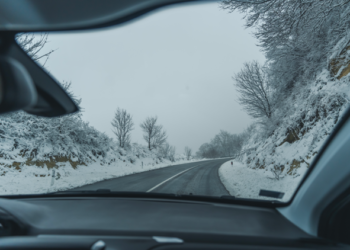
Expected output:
(176, 63)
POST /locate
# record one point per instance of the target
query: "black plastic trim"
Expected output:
(332, 216)
(10, 226)
(52, 99)
(142, 195)
(117, 21)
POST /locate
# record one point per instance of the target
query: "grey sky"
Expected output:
(176, 63)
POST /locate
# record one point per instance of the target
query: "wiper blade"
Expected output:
(99, 193)
(83, 191)
(228, 197)
(273, 194)
(109, 193)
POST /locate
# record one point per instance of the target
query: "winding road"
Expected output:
(197, 178)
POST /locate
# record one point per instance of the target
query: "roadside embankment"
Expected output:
(36, 179)
(244, 182)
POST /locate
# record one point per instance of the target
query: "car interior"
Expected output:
(316, 217)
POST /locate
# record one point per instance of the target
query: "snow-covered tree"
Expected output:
(207, 150)
(41, 138)
(154, 134)
(252, 84)
(307, 47)
(167, 151)
(188, 153)
(171, 155)
(222, 145)
(122, 126)
(298, 37)
(33, 45)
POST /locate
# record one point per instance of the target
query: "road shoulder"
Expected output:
(245, 182)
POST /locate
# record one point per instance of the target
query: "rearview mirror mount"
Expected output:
(17, 90)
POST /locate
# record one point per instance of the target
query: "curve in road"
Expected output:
(197, 178)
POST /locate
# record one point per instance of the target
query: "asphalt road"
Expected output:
(198, 178)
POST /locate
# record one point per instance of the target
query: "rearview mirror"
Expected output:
(17, 89)
(54, 15)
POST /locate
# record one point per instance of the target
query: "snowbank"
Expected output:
(35, 180)
(31, 147)
(242, 181)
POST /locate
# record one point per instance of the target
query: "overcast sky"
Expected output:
(176, 63)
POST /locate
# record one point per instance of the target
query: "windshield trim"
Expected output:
(160, 196)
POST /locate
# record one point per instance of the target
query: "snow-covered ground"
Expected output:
(277, 153)
(244, 182)
(34, 180)
(31, 147)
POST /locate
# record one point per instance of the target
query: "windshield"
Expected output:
(218, 99)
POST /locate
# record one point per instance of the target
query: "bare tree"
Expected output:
(254, 90)
(154, 134)
(33, 45)
(168, 152)
(159, 138)
(164, 150)
(277, 172)
(296, 36)
(207, 150)
(223, 142)
(188, 153)
(171, 156)
(122, 126)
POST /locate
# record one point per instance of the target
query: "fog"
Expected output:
(176, 63)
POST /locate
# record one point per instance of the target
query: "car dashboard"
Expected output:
(143, 223)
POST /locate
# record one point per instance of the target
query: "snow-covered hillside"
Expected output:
(32, 179)
(307, 121)
(277, 156)
(31, 147)
(244, 182)
(299, 94)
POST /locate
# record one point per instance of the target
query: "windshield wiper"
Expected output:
(100, 193)
(83, 191)
(228, 197)
(269, 193)
(109, 193)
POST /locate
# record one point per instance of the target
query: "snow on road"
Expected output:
(245, 182)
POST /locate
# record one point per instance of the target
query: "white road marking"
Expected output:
(169, 179)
